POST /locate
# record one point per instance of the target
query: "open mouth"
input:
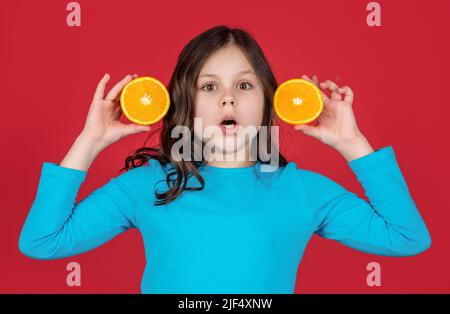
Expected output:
(229, 126)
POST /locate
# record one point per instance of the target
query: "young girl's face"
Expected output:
(228, 85)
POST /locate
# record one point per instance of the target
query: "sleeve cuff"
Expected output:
(382, 155)
(55, 170)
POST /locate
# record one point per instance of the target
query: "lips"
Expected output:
(228, 117)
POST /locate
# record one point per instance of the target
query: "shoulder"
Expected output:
(315, 183)
(153, 166)
(136, 180)
(292, 169)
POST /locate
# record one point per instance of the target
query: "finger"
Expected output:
(325, 98)
(100, 90)
(331, 86)
(308, 129)
(131, 128)
(348, 93)
(316, 80)
(115, 91)
(306, 77)
(117, 113)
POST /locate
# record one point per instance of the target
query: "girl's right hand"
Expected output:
(102, 126)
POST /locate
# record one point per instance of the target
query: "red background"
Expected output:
(399, 73)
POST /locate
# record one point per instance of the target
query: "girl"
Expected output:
(222, 226)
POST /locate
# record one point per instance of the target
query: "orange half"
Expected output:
(145, 100)
(298, 101)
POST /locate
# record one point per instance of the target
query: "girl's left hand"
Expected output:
(336, 124)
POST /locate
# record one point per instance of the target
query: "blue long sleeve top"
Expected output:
(245, 232)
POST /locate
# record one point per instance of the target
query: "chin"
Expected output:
(229, 145)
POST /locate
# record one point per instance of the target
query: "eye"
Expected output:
(249, 86)
(207, 89)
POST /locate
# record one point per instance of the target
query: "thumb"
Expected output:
(134, 128)
(307, 129)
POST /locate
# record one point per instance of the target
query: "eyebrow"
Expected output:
(242, 72)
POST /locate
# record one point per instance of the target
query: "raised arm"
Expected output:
(388, 224)
(56, 227)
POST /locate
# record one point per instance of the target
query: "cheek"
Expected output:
(204, 110)
(253, 109)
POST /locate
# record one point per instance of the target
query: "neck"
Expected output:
(230, 164)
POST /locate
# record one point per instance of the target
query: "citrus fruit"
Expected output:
(145, 100)
(298, 101)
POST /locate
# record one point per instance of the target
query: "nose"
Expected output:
(229, 101)
(228, 97)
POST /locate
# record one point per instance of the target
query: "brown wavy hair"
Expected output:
(181, 112)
